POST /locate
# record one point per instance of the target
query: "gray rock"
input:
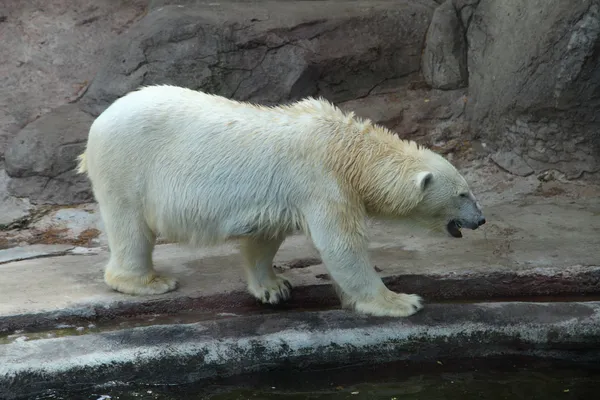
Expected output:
(511, 162)
(66, 188)
(465, 15)
(11, 208)
(50, 50)
(154, 4)
(29, 187)
(461, 4)
(42, 157)
(267, 52)
(465, 8)
(534, 81)
(49, 145)
(444, 56)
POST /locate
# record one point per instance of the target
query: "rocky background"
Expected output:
(509, 83)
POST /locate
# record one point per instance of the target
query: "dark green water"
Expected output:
(514, 380)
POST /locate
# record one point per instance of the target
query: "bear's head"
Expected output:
(407, 181)
(445, 200)
(400, 179)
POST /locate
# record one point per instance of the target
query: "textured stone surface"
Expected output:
(35, 251)
(42, 158)
(184, 353)
(445, 54)
(49, 51)
(49, 145)
(534, 81)
(11, 208)
(511, 162)
(465, 9)
(432, 117)
(267, 52)
(66, 188)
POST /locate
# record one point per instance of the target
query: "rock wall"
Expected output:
(49, 52)
(522, 76)
(534, 82)
(275, 52)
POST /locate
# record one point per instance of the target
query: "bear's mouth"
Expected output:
(453, 228)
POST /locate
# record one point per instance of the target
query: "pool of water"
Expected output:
(493, 379)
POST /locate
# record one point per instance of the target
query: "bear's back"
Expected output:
(169, 112)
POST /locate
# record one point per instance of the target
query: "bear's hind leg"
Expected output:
(263, 283)
(131, 242)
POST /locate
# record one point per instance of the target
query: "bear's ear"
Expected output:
(423, 179)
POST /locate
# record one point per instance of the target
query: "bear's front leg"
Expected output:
(263, 283)
(342, 243)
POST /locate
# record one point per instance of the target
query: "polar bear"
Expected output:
(202, 169)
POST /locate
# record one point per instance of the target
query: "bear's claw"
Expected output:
(273, 292)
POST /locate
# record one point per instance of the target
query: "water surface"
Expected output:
(465, 380)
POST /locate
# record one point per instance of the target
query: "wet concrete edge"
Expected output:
(433, 287)
(187, 353)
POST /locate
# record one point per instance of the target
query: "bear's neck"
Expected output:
(372, 163)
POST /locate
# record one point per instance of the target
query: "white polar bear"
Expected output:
(202, 169)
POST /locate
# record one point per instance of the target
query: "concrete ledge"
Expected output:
(192, 352)
(575, 282)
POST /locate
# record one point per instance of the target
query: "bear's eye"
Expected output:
(464, 195)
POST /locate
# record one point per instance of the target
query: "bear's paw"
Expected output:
(390, 304)
(141, 285)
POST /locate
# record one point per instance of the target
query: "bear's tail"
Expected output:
(82, 165)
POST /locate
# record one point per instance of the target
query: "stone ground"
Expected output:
(539, 229)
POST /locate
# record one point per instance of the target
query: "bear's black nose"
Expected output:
(481, 221)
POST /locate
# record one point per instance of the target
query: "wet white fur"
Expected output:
(202, 169)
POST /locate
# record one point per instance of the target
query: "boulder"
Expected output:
(49, 50)
(534, 81)
(49, 145)
(42, 156)
(445, 54)
(511, 162)
(267, 52)
(66, 188)
(12, 209)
